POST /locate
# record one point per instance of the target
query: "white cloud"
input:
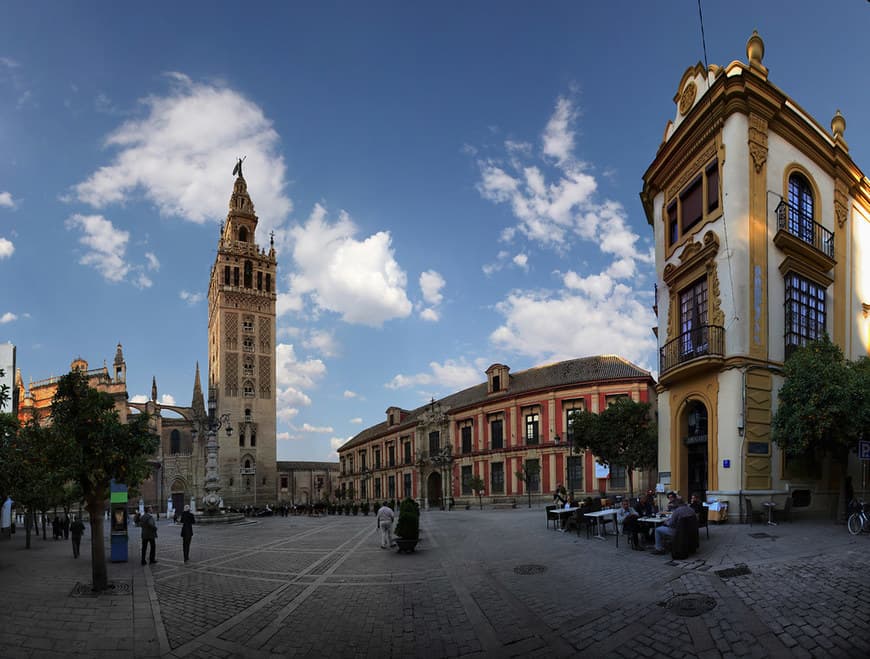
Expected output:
(594, 286)
(289, 332)
(292, 372)
(191, 298)
(431, 283)
(452, 374)
(521, 261)
(141, 280)
(552, 327)
(357, 420)
(106, 245)
(350, 394)
(431, 315)
(140, 398)
(358, 279)
(558, 138)
(152, 262)
(317, 429)
(8, 317)
(283, 436)
(179, 156)
(6, 200)
(557, 208)
(167, 399)
(6, 248)
(321, 341)
(335, 443)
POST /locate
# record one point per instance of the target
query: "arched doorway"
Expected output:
(433, 489)
(695, 436)
(177, 494)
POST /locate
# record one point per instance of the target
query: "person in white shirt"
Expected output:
(385, 516)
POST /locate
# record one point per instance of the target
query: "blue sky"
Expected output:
(451, 184)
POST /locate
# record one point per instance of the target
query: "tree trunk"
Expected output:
(99, 573)
(44, 537)
(630, 483)
(28, 522)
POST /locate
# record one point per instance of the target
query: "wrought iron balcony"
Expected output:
(795, 222)
(702, 341)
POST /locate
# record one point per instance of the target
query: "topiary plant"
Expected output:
(408, 526)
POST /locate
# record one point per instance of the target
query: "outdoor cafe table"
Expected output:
(561, 513)
(597, 515)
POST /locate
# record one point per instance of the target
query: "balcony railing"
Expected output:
(702, 341)
(800, 225)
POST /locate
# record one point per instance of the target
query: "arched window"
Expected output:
(249, 274)
(243, 234)
(175, 442)
(247, 464)
(253, 439)
(249, 389)
(800, 211)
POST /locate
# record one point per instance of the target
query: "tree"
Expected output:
(626, 436)
(821, 402)
(582, 430)
(477, 485)
(92, 447)
(527, 475)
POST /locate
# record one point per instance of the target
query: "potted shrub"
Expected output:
(365, 507)
(356, 509)
(408, 526)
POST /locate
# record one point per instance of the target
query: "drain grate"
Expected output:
(760, 536)
(115, 588)
(690, 605)
(530, 569)
(736, 571)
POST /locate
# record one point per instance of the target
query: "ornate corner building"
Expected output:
(492, 431)
(762, 236)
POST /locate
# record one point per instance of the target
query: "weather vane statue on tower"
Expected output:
(238, 168)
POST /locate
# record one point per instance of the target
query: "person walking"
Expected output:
(76, 529)
(385, 517)
(149, 535)
(6, 519)
(187, 522)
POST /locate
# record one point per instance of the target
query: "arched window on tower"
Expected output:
(235, 276)
(268, 283)
(243, 234)
(249, 274)
(226, 275)
(175, 442)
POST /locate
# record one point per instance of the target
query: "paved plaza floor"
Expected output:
(491, 583)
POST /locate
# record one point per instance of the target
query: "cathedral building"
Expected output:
(762, 235)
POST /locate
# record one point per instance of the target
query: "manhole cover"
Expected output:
(761, 536)
(690, 604)
(530, 569)
(115, 588)
(736, 571)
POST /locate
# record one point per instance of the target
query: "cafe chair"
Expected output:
(685, 539)
(784, 515)
(703, 520)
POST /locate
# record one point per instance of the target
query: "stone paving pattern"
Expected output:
(481, 584)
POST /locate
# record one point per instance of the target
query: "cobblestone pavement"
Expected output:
(481, 584)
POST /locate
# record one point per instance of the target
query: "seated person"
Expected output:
(645, 506)
(673, 497)
(559, 495)
(626, 522)
(695, 504)
(669, 528)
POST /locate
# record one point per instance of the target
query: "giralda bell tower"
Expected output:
(241, 350)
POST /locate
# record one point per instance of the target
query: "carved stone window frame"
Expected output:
(697, 260)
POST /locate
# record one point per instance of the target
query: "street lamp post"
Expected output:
(211, 425)
(365, 475)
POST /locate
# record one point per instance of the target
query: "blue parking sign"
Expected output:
(864, 449)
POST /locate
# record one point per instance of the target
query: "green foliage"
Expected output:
(89, 445)
(477, 485)
(584, 426)
(625, 435)
(824, 402)
(408, 526)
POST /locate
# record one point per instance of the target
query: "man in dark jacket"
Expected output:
(669, 528)
(149, 535)
(187, 522)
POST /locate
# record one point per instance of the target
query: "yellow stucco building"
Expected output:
(762, 241)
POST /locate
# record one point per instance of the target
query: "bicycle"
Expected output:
(859, 520)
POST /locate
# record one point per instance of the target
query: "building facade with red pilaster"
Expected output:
(492, 431)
